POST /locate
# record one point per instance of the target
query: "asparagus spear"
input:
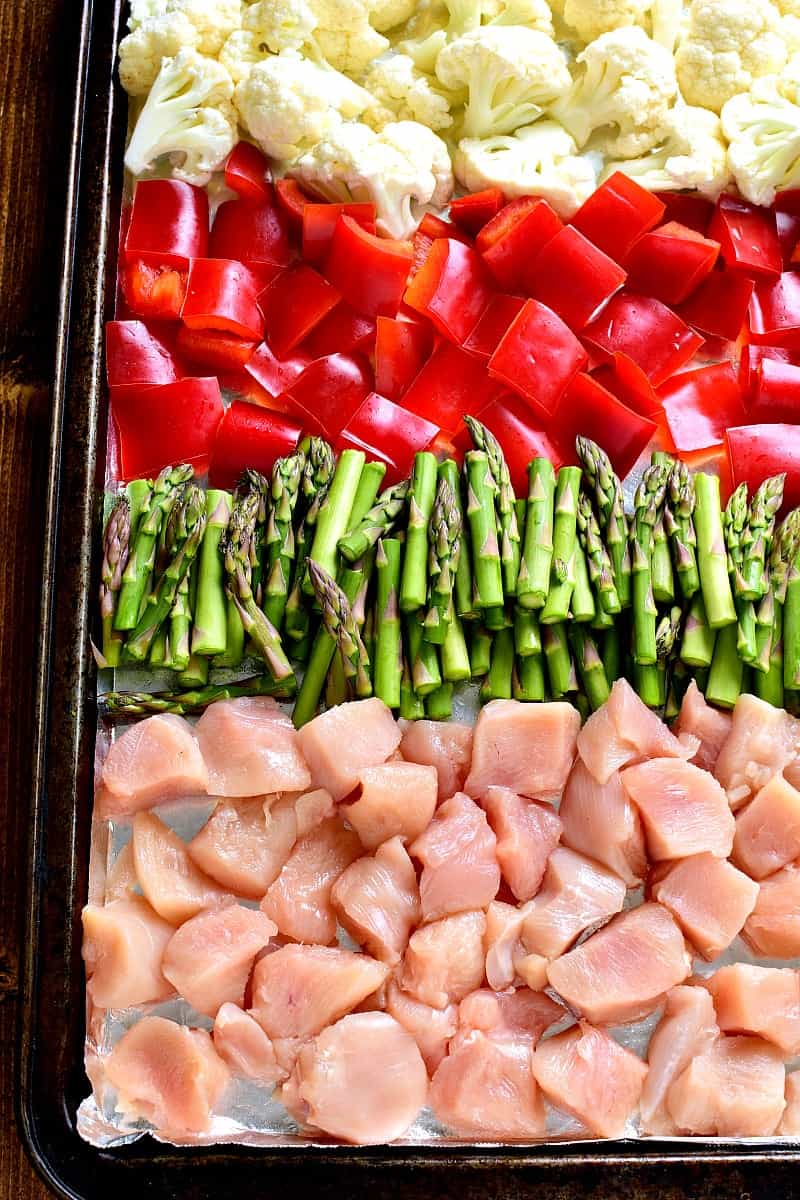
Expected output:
(591, 671)
(768, 685)
(611, 510)
(697, 646)
(333, 519)
(444, 535)
(528, 679)
(565, 529)
(712, 560)
(389, 650)
(455, 656)
(322, 652)
(180, 623)
(480, 651)
(378, 522)
(582, 605)
(527, 637)
(612, 654)
(486, 565)
(135, 704)
(422, 657)
(725, 676)
(498, 684)
(734, 524)
(439, 704)
(414, 583)
(139, 493)
(285, 482)
(141, 559)
(210, 635)
(648, 504)
(756, 541)
(116, 547)
(508, 527)
(463, 592)
(601, 571)
(560, 667)
(412, 706)
(340, 624)
(679, 525)
(317, 477)
(254, 482)
(196, 673)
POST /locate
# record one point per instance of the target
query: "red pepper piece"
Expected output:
(135, 353)
(251, 232)
(250, 436)
(451, 289)
(699, 405)
(748, 237)
(294, 304)
(168, 223)
(222, 294)
(273, 374)
(343, 330)
(687, 209)
(214, 349)
(388, 432)
(647, 331)
(749, 362)
(775, 312)
(538, 356)
(787, 226)
(758, 451)
(166, 423)
(574, 278)
(493, 325)
(776, 396)
(588, 410)
(510, 244)
(370, 272)
(628, 382)
(292, 200)
(329, 391)
(401, 348)
(450, 384)
(319, 222)
(618, 213)
(247, 172)
(522, 438)
(670, 262)
(470, 213)
(429, 229)
(150, 291)
(719, 306)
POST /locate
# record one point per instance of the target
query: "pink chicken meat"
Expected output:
(768, 830)
(244, 844)
(625, 731)
(758, 1000)
(576, 894)
(444, 961)
(599, 820)
(123, 945)
(711, 725)
(250, 748)
(734, 1088)
(683, 809)
(176, 888)
(459, 860)
(445, 745)
(342, 741)
(526, 833)
(395, 799)
(763, 740)
(377, 901)
(528, 748)
(773, 928)
(154, 761)
(687, 1028)
(708, 898)
(209, 959)
(299, 901)
(242, 1044)
(431, 1028)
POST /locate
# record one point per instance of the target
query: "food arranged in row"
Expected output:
(472, 869)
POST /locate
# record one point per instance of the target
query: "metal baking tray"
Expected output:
(51, 1081)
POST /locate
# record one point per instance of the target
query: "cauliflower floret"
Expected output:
(153, 38)
(280, 24)
(287, 103)
(400, 170)
(213, 20)
(728, 44)
(627, 81)
(539, 160)
(402, 93)
(388, 14)
(690, 154)
(187, 115)
(424, 35)
(510, 73)
(240, 54)
(590, 18)
(467, 15)
(344, 36)
(763, 130)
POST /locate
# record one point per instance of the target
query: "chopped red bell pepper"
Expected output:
(699, 405)
(688, 209)
(788, 229)
(156, 292)
(628, 382)
(574, 278)
(748, 237)
(370, 272)
(588, 410)
(429, 229)
(250, 436)
(387, 432)
(168, 223)
(292, 199)
(451, 288)
(714, 461)
(493, 325)
(618, 213)
(273, 374)
(758, 451)
(247, 172)
(775, 311)
(252, 232)
(222, 294)
(136, 353)
(749, 362)
(343, 330)
(329, 391)
(166, 423)
(472, 212)
(719, 306)
(294, 304)
(214, 349)
(647, 331)
(319, 222)
(670, 262)
(401, 347)
(776, 396)
(450, 384)
(511, 242)
(538, 356)
(522, 438)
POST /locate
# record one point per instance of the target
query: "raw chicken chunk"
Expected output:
(175, 887)
(485, 1089)
(688, 1027)
(377, 901)
(684, 810)
(503, 942)
(711, 725)
(763, 740)
(299, 990)
(299, 901)
(393, 800)
(531, 969)
(526, 832)
(339, 743)
(576, 894)
(773, 928)
(121, 877)
(209, 959)
(168, 1074)
(528, 748)
(445, 745)
(735, 1088)
(444, 961)
(599, 820)
(362, 1080)
(459, 861)
(153, 761)
(242, 1044)
(758, 1000)
(244, 844)
(431, 1028)
(512, 1014)
(623, 972)
(708, 898)
(311, 809)
(587, 1074)
(250, 747)
(790, 1121)
(768, 830)
(625, 731)
(123, 943)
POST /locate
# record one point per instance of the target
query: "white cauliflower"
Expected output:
(287, 103)
(400, 170)
(763, 130)
(152, 39)
(539, 160)
(591, 18)
(424, 35)
(212, 20)
(627, 82)
(240, 54)
(344, 36)
(188, 116)
(402, 93)
(510, 74)
(728, 44)
(536, 14)
(690, 154)
(388, 14)
(280, 24)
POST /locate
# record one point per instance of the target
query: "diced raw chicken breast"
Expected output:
(599, 820)
(763, 740)
(445, 745)
(711, 725)
(250, 747)
(339, 743)
(768, 830)
(503, 943)
(209, 959)
(168, 1074)
(175, 887)
(526, 832)
(688, 1027)
(790, 1121)
(241, 1043)
(684, 810)
(623, 971)
(576, 894)
(431, 1028)
(311, 809)
(362, 1080)
(459, 863)
(528, 748)
(587, 1074)
(299, 901)
(625, 731)
(377, 901)
(733, 1089)
(155, 760)
(121, 876)
(123, 943)
(244, 844)
(393, 800)
(758, 1000)
(485, 1089)
(445, 961)
(708, 898)
(299, 990)
(521, 1013)
(773, 928)
(532, 970)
